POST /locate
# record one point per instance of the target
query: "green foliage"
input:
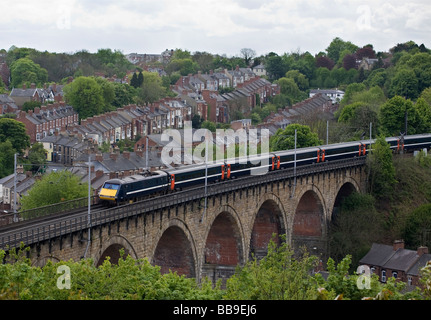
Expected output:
(53, 188)
(417, 229)
(289, 88)
(26, 71)
(113, 62)
(404, 83)
(426, 281)
(278, 276)
(151, 89)
(355, 225)
(128, 280)
(86, 96)
(285, 139)
(299, 78)
(341, 285)
(393, 115)
(359, 107)
(338, 48)
(381, 169)
(211, 126)
(184, 66)
(30, 105)
(7, 153)
(36, 156)
(15, 132)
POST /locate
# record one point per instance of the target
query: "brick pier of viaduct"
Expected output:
(236, 224)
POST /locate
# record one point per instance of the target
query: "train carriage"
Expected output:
(187, 176)
(139, 186)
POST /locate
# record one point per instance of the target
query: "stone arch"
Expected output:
(111, 248)
(42, 261)
(224, 244)
(309, 223)
(268, 220)
(175, 249)
(309, 213)
(347, 188)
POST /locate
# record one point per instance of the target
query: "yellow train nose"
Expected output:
(107, 194)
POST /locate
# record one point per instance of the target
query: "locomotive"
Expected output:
(138, 187)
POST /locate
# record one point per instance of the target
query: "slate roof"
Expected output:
(415, 269)
(401, 259)
(18, 92)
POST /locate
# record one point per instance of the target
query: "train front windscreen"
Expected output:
(109, 191)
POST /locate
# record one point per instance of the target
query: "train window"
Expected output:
(111, 186)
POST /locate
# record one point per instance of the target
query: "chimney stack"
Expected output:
(422, 250)
(398, 244)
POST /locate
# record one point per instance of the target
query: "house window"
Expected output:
(383, 275)
(395, 274)
(409, 280)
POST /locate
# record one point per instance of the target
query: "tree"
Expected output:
(393, 115)
(26, 71)
(30, 105)
(323, 61)
(355, 225)
(381, 169)
(417, 230)
(15, 132)
(124, 94)
(140, 80)
(37, 156)
(151, 89)
(289, 88)
(321, 76)
(349, 61)
(7, 153)
(247, 54)
(357, 116)
(299, 78)
(424, 112)
(54, 188)
(196, 121)
(285, 139)
(209, 125)
(204, 60)
(405, 84)
(184, 66)
(337, 46)
(134, 80)
(108, 93)
(365, 52)
(86, 96)
(278, 276)
(426, 95)
(275, 67)
(127, 279)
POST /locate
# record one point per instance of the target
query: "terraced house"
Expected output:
(47, 120)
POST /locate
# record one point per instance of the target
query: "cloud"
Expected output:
(224, 26)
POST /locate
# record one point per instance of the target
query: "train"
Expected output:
(141, 186)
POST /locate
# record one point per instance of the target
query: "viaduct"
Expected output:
(177, 232)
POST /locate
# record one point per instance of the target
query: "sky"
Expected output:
(217, 27)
